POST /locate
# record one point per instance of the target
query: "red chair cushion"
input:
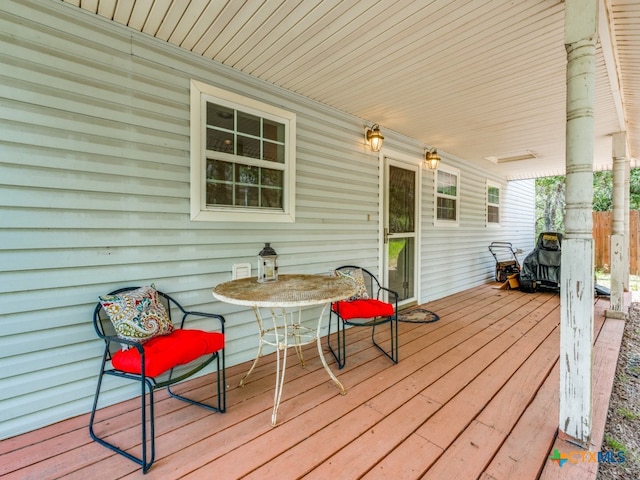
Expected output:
(167, 351)
(370, 308)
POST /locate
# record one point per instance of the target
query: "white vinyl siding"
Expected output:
(454, 259)
(95, 195)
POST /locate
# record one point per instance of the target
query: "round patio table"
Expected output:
(281, 298)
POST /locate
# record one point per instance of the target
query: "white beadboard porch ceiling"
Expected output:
(476, 78)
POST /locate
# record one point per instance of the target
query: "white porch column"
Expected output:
(627, 231)
(576, 282)
(619, 254)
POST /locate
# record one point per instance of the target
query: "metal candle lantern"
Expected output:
(267, 264)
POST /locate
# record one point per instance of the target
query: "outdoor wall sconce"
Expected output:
(373, 137)
(267, 264)
(431, 159)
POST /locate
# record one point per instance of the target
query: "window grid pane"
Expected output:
(238, 183)
(493, 214)
(446, 209)
(252, 136)
(493, 195)
(447, 196)
(493, 204)
(447, 184)
(241, 185)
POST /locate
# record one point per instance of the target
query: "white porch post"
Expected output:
(627, 231)
(619, 252)
(576, 282)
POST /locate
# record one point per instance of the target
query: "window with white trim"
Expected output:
(242, 158)
(447, 201)
(493, 204)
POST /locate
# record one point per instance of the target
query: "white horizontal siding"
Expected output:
(457, 257)
(94, 195)
(518, 214)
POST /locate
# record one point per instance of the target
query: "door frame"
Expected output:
(409, 162)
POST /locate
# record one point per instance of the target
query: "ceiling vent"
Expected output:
(513, 157)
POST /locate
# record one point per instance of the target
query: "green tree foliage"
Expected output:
(550, 204)
(603, 190)
(634, 189)
(550, 201)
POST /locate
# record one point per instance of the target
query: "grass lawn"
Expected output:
(604, 279)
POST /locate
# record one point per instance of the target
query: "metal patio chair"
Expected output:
(369, 308)
(158, 362)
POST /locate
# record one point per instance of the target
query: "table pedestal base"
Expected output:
(288, 332)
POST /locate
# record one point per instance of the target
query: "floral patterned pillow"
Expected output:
(137, 315)
(355, 274)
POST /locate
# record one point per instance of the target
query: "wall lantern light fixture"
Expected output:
(373, 137)
(431, 159)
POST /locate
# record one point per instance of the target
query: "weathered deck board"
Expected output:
(473, 396)
(431, 384)
(607, 348)
(465, 390)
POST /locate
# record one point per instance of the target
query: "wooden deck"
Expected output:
(475, 395)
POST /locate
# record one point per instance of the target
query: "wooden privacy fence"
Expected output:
(602, 224)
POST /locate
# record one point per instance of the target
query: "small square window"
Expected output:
(242, 158)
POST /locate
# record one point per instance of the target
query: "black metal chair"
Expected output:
(367, 309)
(160, 362)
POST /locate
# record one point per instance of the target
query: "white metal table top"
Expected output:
(290, 290)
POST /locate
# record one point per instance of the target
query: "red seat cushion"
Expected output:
(167, 351)
(363, 309)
